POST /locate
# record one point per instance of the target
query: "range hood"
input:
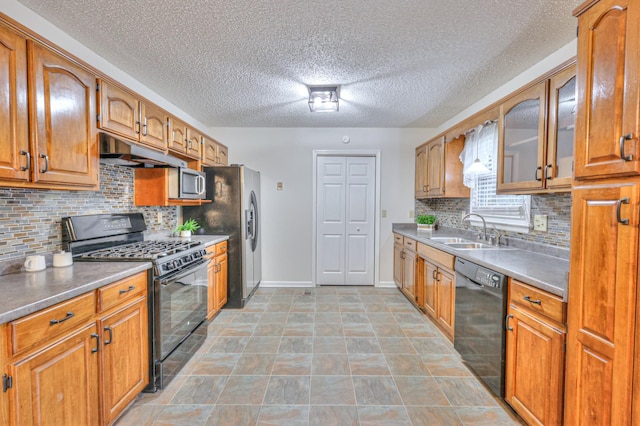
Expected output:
(122, 153)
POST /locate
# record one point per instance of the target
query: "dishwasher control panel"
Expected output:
(488, 278)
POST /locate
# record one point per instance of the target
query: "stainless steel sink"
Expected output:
(470, 246)
(449, 240)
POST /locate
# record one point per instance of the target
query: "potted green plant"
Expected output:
(187, 228)
(426, 222)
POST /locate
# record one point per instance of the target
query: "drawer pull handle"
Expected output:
(506, 322)
(619, 204)
(539, 168)
(546, 174)
(57, 321)
(627, 137)
(127, 290)
(97, 337)
(28, 155)
(530, 300)
(46, 163)
(110, 330)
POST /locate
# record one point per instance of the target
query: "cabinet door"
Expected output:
(223, 155)
(211, 289)
(534, 369)
(608, 104)
(435, 168)
(14, 140)
(119, 111)
(154, 127)
(221, 280)
(430, 288)
(177, 136)
(194, 143)
(421, 172)
(125, 342)
(409, 273)
(446, 288)
(59, 385)
(558, 170)
(209, 153)
(398, 264)
(64, 131)
(521, 140)
(602, 301)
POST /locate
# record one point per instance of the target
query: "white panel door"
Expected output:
(345, 208)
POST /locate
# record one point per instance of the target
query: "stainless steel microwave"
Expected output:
(187, 184)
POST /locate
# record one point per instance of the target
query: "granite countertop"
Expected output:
(26, 292)
(548, 273)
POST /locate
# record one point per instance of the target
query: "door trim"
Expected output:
(376, 227)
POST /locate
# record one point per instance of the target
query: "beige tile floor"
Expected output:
(322, 356)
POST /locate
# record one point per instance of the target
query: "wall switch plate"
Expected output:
(411, 213)
(159, 217)
(279, 186)
(383, 213)
(540, 222)
(462, 214)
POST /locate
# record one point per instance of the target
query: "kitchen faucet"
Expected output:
(484, 225)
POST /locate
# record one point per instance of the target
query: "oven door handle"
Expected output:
(184, 272)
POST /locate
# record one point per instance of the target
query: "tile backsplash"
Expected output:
(556, 206)
(30, 218)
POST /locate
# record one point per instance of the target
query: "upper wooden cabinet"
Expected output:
(607, 128)
(126, 114)
(535, 136)
(439, 170)
(184, 140)
(214, 153)
(47, 134)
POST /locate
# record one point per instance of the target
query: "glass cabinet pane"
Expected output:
(566, 108)
(521, 136)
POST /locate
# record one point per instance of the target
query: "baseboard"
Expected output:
(280, 284)
(386, 284)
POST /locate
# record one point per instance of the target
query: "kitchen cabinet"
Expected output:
(534, 370)
(151, 188)
(125, 114)
(405, 264)
(214, 153)
(82, 361)
(398, 264)
(217, 278)
(54, 144)
(439, 170)
(536, 134)
(438, 282)
(607, 127)
(603, 303)
(183, 140)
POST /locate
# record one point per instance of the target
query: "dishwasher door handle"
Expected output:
(506, 322)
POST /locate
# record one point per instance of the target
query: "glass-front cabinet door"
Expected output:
(521, 139)
(558, 171)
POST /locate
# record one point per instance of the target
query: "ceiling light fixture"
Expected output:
(323, 98)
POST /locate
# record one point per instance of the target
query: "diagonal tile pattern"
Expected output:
(323, 356)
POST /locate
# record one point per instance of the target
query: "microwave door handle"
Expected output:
(202, 182)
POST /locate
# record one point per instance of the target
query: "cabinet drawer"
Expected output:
(43, 325)
(410, 244)
(538, 301)
(221, 248)
(445, 259)
(122, 291)
(398, 239)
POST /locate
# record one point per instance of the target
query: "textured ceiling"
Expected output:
(245, 63)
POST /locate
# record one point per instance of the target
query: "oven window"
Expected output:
(183, 306)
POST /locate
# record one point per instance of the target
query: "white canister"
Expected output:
(62, 259)
(35, 263)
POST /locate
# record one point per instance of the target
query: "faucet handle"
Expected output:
(495, 237)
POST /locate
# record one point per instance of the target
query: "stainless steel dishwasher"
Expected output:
(479, 334)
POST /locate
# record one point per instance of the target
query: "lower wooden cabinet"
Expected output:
(58, 385)
(217, 273)
(534, 372)
(86, 375)
(438, 287)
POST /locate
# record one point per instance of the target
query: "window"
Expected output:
(508, 212)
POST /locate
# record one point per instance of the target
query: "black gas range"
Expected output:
(178, 290)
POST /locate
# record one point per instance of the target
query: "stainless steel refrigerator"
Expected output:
(234, 211)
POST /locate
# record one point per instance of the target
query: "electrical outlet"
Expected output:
(159, 217)
(279, 186)
(383, 213)
(411, 213)
(540, 222)
(462, 214)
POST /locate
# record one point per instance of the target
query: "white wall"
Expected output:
(286, 155)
